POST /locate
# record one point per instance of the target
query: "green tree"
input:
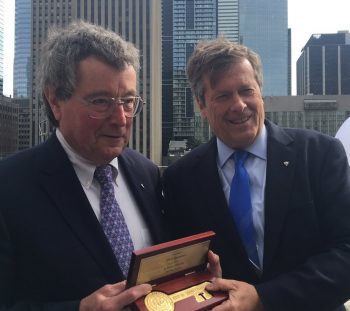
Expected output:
(192, 142)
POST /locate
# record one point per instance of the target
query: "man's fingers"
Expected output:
(214, 264)
(221, 284)
(110, 290)
(130, 295)
(113, 297)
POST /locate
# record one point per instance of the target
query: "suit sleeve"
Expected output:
(8, 286)
(324, 278)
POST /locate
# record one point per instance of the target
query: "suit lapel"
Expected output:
(280, 171)
(60, 182)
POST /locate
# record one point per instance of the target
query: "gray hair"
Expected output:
(66, 48)
(213, 57)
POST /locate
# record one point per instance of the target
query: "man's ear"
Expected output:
(53, 102)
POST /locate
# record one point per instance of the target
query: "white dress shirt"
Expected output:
(85, 169)
(256, 168)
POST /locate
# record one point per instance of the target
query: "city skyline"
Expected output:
(313, 16)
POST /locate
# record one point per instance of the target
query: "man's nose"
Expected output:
(118, 115)
(237, 103)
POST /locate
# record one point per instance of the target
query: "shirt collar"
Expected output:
(84, 168)
(258, 148)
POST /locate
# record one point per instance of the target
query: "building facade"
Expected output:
(192, 20)
(228, 19)
(8, 127)
(321, 113)
(21, 65)
(323, 67)
(263, 27)
(24, 128)
(136, 21)
(167, 75)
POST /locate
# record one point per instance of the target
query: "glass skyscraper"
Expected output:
(21, 67)
(192, 20)
(228, 19)
(263, 27)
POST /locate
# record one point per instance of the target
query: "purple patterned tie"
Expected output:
(112, 219)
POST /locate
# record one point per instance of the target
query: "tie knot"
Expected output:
(104, 174)
(240, 156)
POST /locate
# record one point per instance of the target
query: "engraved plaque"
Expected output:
(177, 272)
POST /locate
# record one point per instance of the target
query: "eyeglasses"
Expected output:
(102, 107)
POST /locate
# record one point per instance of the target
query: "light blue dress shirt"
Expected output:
(256, 168)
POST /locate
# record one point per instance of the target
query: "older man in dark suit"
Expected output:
(73, 209)
(278, 199)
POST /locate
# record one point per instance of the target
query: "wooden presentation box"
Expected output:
(177, 272)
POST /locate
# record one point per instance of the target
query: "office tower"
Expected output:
(167, 74)
(136, 21)
(2, 10)
(263, 27)
(228, 19)
(22, 70)
(192, 20)
(323, 67)
(21, 66)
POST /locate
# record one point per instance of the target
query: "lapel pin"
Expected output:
(286, 163)
(142, 186)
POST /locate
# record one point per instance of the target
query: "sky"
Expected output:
(305, 17)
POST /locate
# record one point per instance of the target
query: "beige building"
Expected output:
(323, 113)
(137, 21)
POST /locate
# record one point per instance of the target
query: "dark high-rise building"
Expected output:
(23, 122)
(136, 21)
(8, 126)
(323, 67)
(192, 20)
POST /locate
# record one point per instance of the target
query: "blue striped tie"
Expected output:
(241, 206)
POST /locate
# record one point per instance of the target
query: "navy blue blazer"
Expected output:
(53, 251)
(307, 218)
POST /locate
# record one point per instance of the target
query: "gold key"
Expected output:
(158, 301)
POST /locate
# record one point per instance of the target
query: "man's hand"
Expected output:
(113, 297)
(214, 264)
(242, 296)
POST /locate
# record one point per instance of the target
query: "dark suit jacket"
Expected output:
(52, 247)
(307, 218)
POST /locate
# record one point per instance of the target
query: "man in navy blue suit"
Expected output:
(299, 184)
(54, 254)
